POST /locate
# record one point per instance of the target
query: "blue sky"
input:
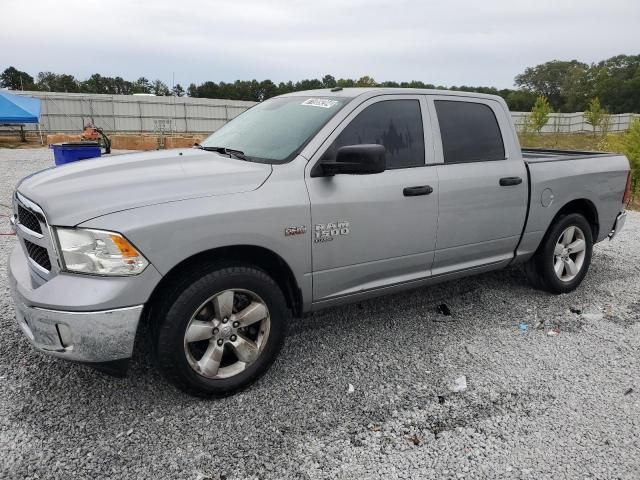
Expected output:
(453, 42)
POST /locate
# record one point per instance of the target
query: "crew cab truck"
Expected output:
(304, 201)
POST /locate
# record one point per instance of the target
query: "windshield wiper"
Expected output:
(224, 151)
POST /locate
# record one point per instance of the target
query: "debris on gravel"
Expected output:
(535, 408)
(444, 309)
(459, 385)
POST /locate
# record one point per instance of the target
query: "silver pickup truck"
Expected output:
(306, 200)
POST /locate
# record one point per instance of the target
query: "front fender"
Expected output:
(169, 233)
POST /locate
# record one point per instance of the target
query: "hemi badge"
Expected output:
(295, 230)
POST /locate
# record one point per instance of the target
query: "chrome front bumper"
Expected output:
(91, 337)
(618, 224)
(94, 336)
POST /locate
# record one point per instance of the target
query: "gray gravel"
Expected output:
(535, 407)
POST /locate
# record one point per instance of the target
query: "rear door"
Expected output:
(483, 184)
(373, 231)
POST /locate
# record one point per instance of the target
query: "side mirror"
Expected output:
(356, 160)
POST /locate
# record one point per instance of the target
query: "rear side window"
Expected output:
(395, 124)
(470, 132)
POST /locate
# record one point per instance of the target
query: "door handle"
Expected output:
(416, 191)
(507, 181)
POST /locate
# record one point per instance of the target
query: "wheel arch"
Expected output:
(584, 207)
(537, 267)
(249, 255)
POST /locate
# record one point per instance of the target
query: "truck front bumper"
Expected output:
(98, 336)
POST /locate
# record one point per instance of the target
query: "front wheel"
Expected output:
(222, 331)
(563, 258)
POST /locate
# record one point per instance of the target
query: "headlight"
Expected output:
(98, 252)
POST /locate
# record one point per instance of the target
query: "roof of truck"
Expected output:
(371, 92)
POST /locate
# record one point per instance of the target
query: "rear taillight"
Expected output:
(627, 190)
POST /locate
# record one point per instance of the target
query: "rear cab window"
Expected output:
(469, 132)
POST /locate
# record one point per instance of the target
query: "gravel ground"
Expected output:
(362, 391)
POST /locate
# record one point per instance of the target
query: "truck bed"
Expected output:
(558, 177)
(535, 155)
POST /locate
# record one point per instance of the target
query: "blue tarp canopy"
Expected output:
(18, 109)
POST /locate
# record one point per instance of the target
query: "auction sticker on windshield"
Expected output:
(320, 102)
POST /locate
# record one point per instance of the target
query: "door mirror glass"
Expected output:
(356, 160)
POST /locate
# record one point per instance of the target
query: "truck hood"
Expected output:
(79, 191)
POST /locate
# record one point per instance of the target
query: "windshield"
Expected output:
(275, 129)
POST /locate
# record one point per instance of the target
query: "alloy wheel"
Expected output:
(569, 253)
(227, 333)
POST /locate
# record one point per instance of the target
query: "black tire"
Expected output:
(185, 299)
(540, 268)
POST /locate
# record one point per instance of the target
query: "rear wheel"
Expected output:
(563, 258)
(222, 331)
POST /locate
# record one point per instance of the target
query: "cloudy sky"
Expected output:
(451, 42)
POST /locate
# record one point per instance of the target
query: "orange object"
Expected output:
(125, 247)
(90, 133)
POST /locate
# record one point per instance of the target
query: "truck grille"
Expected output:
(28, 219)
(38, 254)
(33, 232)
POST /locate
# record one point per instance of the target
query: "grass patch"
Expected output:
(563, 141)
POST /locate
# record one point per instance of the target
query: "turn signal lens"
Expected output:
(124, 246)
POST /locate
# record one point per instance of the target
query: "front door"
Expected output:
(372, 231)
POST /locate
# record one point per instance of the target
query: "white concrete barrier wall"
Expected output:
(68, 112)
(576, 122)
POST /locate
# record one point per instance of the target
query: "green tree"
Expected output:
(553, 80)
(616, 82)
(96, 83)
(16, 80)
(205, 90)
(309, 84)
(53, 82)
(285, 87)
(160, 89)
(414, 84)
(345, 83)
(629, 144)
(141, 85)
(568, 85)
(329, 81)
(366, 81)
(267, 89)
(595, 115)
(177, 90)
(121, 86)
(539, 115)
(520, 100)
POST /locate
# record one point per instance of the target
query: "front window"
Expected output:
(394, 124)
(275, 130)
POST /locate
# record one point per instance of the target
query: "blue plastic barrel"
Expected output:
(74, 151)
